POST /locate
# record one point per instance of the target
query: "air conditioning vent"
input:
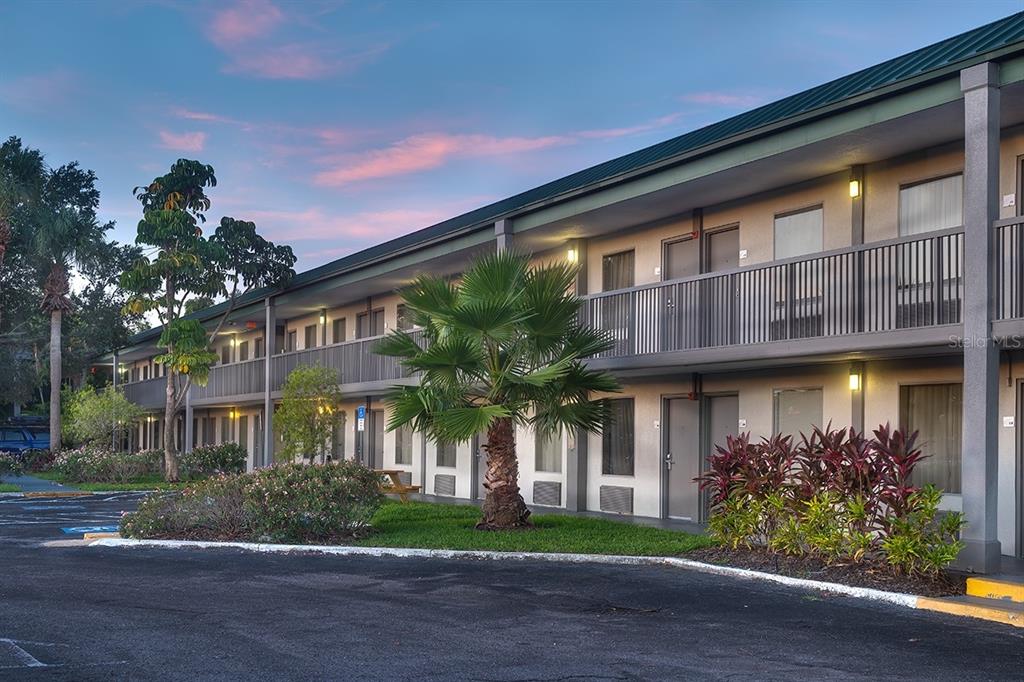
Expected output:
(547, 493)
(617, 499)
(444, 484)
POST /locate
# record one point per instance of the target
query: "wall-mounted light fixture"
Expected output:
(854, 188)
(323, 317)
(854, 380)
(233, 341)
(233, 413)
(572, 256)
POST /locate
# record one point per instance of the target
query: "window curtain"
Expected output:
(800, 233)
(796, 411)
(446, 455)
(935, 205)
(617, 271)
(617, 439)
(935, 412)
(338, 448)
(548, 453)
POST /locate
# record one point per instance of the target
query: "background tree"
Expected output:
(503, 347)
(308, 413)
(180, 264)
(102, 416)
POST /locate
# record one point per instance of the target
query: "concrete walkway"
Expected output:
(31, 484)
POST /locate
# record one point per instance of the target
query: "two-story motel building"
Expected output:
(850, 254)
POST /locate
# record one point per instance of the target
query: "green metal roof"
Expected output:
(909, 70)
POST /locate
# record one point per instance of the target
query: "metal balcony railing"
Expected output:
(355, 361)
(1009, 268)
(151, 393)
(236, 378)
(898, 284)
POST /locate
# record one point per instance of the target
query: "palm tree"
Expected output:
(63, 237)
(503, 348)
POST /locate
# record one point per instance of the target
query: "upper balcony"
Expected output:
(903, 292)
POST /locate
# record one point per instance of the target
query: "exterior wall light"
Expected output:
(323, 317)
(854, 381)
(233, 341)
(572, 256)
(854, 188)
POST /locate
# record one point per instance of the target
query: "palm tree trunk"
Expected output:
(503, 507)
(55, 378)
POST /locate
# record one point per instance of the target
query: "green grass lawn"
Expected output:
(450, 526)
(9, 488)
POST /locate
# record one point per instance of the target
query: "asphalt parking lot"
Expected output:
(84, 613)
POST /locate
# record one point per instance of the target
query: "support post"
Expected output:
(576, 450)
(980, 451)
(113, 432)
(503, 234)
(270, 347)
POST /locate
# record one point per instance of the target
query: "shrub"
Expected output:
(209, 460)
(835, 495)
(284, 503)
(35, 461)
(94, 464)
(9, 465)
(104, 415)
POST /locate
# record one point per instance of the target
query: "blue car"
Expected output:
(19, 439)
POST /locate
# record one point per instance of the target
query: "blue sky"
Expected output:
(338, 125)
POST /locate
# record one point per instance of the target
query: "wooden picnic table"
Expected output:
(396, 487)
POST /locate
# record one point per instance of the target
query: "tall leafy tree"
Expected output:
(308, 413)
(181, 264)
(503, 347)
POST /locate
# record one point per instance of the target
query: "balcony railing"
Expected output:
(237, 378)
(150, 393)
(898, 284)
(1010, 268)
(355, 361)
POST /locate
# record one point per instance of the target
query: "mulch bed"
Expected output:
(864, 574)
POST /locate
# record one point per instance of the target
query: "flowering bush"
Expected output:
(209, 460)
(97, 464)
(835, 494)
(285, 503)
(9, 465)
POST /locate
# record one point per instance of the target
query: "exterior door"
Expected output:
(718, 304)
(682, 461)
(376, 439)
(721, 421)
(680, 258)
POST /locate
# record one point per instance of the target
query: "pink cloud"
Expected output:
(246, 20)
(40, 92)
(363, 226)
(424, 152)
(297, 62)
(723, 99)
(183, 142)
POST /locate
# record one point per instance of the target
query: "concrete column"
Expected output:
(189, 434)
(503, 234)
(857, 206)
(980, 85)
(269, 347)
(576, 451)
(113, 435)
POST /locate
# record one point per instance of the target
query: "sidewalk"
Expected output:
(31, 484)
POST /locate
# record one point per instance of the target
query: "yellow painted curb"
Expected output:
(995, 613)
(69, 493)
(996, 588)
(99, 536)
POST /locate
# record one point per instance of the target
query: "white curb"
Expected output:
(907, 600)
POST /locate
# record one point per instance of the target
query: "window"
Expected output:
(310, 333)
(258, 348)
(548, 453)
(935, 412)
(682, 259)
(933, 205)
(617, 439)
(145, 372)
(617, 271)
(795, 411)
(243, 432)
(225, 430)
(243, 351)
(338, 330)
(370, 323)
(209, 426)
(403, 445)
(135, 373)
(404, 320)
(225, 354)
(290, 342)
(446, 455)
(798, 233)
